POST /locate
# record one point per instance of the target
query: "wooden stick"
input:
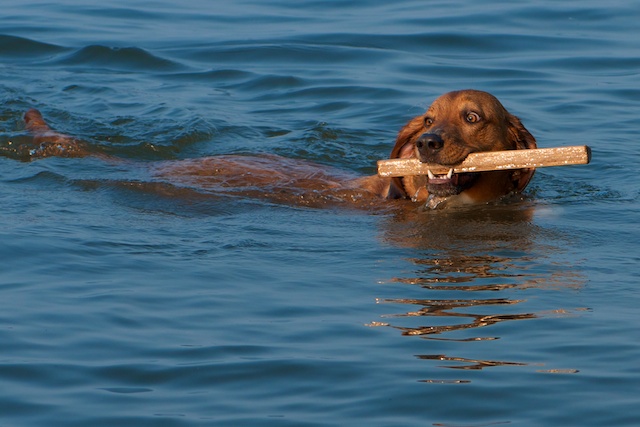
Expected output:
(491, 160)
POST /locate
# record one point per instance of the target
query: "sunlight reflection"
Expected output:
(474, 268)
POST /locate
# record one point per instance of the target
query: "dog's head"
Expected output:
(455, 125)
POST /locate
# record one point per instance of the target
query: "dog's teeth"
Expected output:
(450, 173)
(430, 174)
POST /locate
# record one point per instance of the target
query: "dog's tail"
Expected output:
(48, 142)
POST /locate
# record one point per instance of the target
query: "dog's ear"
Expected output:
(404, 149)
(520, 139)
(519, 136)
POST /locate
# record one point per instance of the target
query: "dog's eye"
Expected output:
(428, 121)
(473, 117)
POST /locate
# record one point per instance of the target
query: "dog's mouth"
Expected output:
(450, 184)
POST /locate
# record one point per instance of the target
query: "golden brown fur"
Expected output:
(456, 124)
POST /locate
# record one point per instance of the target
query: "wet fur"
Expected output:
(497, 130)
(291, 180)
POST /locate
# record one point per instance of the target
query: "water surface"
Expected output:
(126, 302)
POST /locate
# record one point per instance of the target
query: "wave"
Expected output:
(117, 58)
(93, 56)
(17, 47)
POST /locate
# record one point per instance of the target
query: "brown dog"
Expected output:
(456, 124)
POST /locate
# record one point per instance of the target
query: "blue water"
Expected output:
(125, 302)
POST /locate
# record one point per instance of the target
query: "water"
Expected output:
(125, 302)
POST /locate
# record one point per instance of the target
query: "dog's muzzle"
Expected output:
(428, 146)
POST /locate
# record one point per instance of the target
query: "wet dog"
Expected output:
(455, 125)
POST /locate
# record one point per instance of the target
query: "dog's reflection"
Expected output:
(472, 269)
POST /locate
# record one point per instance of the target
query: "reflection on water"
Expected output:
(471, 364)
(472, 264)
(442, 308)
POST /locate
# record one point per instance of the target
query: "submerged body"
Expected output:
(455, 125)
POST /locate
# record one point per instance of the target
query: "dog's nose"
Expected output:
(429, 143)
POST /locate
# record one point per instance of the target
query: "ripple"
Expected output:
(116, 58)
(20, 47)
(128, 301)
(126, 390)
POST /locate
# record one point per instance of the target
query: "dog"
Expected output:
(455, 125)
